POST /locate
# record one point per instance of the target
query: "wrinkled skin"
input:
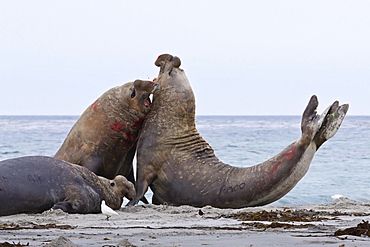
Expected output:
(34, 184)
(181, 167)
(104, 138)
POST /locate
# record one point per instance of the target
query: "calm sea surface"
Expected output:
(341, 165)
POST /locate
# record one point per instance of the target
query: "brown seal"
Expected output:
(34, 184)
(181, 167)
(104, 137)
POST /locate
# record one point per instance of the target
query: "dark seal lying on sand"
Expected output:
(182, 169)
(34, 184)
(104, 137)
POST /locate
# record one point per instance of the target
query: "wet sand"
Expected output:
(151, 225)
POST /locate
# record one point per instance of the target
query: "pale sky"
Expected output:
(241, 57)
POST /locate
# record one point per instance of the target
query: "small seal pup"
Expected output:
(181, 168)
(104, 137)
(33, 184)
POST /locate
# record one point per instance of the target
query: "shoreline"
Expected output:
(161, 225)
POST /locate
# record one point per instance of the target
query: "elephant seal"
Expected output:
(33, 184)
(104, 137)
(181, 167)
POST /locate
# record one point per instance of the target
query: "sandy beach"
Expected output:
(151, 225)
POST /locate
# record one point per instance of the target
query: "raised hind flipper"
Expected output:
(331, 124)
(311, 121)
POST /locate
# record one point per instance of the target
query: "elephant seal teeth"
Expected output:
(148, 101)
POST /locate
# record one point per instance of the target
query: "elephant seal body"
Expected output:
(181, 167)
(34, 184)
(104, 137)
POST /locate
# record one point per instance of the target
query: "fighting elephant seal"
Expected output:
(104, 137)
(34, 184)
(181, 167)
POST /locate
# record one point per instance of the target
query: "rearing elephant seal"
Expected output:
(104, 137)
(181, 167)
(34, 184)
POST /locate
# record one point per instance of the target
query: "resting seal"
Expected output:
(104, 137)
(181, 167)
(34, 184)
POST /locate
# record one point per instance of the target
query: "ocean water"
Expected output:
(341, 165)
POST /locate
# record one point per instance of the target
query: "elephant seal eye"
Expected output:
(133, 94)
(112, 184)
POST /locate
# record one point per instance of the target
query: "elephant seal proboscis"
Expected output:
(104, 137)
(181, 167)
(33, 184)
